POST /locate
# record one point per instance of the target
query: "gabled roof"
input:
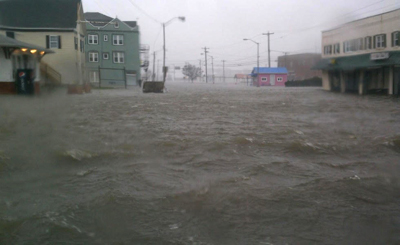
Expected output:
(97, 19)
(7, 42)
(38, 14)
(272, 70)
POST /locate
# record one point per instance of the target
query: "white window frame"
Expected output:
(336, 48)
(118, 40)
(396, 38)
(53, 43)
(93, 57)
(105, 38)
(106, 56)
(279, 79)
(93, 39)
(368, 44)
(379, 41)
(118, 57)
(264, 79)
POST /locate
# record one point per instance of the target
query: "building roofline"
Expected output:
(36, 28)
(340, 26)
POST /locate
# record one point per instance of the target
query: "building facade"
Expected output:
(299, 66)
(55, 25)
(363, 56)
(264, 76)
(112, 51)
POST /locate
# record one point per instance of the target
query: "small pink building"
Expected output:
(264, 76)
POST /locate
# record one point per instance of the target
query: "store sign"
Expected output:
(379, 56)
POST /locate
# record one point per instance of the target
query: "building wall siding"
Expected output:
(64, 60)
(381, 24)
(130, 48)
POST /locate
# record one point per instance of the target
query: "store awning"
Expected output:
(354, 62)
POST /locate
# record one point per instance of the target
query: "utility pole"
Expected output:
(223, 70)
(269, 51)
(205, 54)
(154, 66)
(158, 65)
(201, 72)
(212, 65)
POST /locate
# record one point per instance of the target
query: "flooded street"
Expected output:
(201, 164)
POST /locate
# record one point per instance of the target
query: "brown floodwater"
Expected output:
(200, 164)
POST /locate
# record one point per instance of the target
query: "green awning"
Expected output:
(357, 62)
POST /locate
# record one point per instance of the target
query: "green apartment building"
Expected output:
(112, 51)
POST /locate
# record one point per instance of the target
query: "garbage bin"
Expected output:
(24, 81)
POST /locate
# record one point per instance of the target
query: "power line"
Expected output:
(144, 12)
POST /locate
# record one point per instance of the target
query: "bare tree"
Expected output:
(191, 71)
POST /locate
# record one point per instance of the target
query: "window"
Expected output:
(380, 41)
(359, 43)
(280, 79)
(118, 39)
(93, 57)
(93, 39)
(368, 43)
(328, 49)
(395, 39)
(53, 41)
(10, 34)
(336, 48)
(116, 25)
(105, 38)
(264, 79)
(118, 57)
(106, 56)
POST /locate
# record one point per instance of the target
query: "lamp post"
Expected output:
(181, 18)
(258, 56)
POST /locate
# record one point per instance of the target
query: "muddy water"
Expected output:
(201, 164)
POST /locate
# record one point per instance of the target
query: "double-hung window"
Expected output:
(93, 57)
(93, 39)
(368, 43)
(336, 48)
(119, 57)
(380, 41)
(395, 38)
(328, 49)
(118, 40)
(54, 41)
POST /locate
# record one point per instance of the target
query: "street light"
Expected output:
(258, 56)
(181, 18)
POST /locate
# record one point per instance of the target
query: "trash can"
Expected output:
(25, 81)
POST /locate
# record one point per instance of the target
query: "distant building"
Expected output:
(264, 76)
(242, 78)
(55, 25)
(299, 66)
(363, 55)
(112, 51)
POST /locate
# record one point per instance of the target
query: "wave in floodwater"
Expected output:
(201, 164)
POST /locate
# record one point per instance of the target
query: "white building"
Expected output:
(363, 56)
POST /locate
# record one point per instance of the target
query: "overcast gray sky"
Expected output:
(221, 26)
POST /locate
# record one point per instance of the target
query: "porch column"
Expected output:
(361, 84)
(390, 91)
(342, 82)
